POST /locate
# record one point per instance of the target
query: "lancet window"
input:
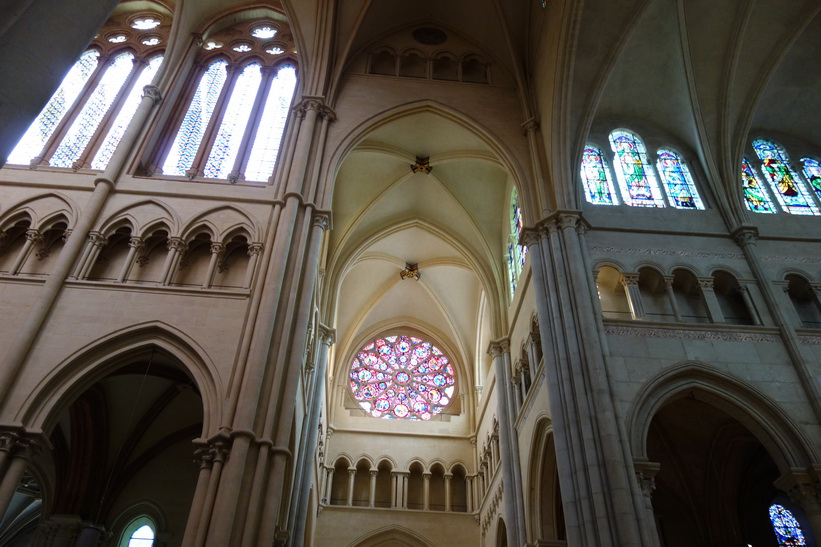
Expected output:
(402, 377)
(234, 115)
(755, 195)
(83, 122)
(515, 253)
(786, 528)
(637, 177)
(788, 188)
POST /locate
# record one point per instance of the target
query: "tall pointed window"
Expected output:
(83, 122)
(677, 181)
(788, 188)
(515, 253)
(598, 185)
(755, 195)
(787, 531)
(812, 172)
(635, 175)
(236, 112)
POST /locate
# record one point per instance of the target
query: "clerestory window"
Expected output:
(234, 115)
(789, 189)
(83, 122)
(515, 253)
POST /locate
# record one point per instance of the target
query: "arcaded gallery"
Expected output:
(390, 273)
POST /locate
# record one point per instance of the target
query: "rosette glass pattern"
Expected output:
(402, 377)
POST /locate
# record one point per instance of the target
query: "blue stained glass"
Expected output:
(266, 144)
(406, 392)
(127, 111)
(812, 170)
(598, 185)
(785, 184)
(637, 181)
(677, 180)
(229, 136)
(46, 122)
(755, 195)
(786, 528)
(515, 253)
(85, 125)
(187, 142)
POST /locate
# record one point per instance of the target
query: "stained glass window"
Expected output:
(234, 121)
(181, 156)
(789, 190)
(86, 123)
(142, 537)
(402, 377)
(127, 111)
(812, 170)
(755, 195)
(681, 190)
(32, 143)
(265, 149)
(786, 528)
(515, 253)
(636, 178)
(598, 185)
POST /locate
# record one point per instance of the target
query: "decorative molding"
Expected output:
(810, 340)
(666, 252)
(691, 334)
(803, 259)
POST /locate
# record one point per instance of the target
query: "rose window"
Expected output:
(402, 377)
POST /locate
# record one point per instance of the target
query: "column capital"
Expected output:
(98, 239)
(497, 347)
(216, 247)
(327, 335)
(19, 444)
(176, 244)
(646, 472)
(322, 219)
(705, 283)
(254, 249)
(629, 279)
(33, 235)
(745, 235)
(530, 237)
(152, 92)
(135, 242)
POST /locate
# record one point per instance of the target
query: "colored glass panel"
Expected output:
(229, 136)
(187, 141)
(402, 377)
(88, 120)
(46, 122)
(755, 195)
(812, 170)
(681, 190)
(125, 115)
(787, 531)
(637, 181)
(265, 148)
(515, 253)
(785, 184)
(598, 185)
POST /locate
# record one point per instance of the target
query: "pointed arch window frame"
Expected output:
(780, 161)
(247, 145)
(86, 155)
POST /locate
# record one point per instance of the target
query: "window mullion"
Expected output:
(57, 137)
(215, 122)
(108, 119)
(264, 90)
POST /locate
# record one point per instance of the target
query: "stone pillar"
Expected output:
(448, 478)
(748, 303)
(498, 350)
(217, 453)
(134, 245)
(710, 300)
(630, 282)
(216, 249)
(372, 488)
(329, 482)
(176, 248)
(602, 501)
(803, 486)
(351, 480)
(404, 492)
(205, 459)
(671, 297)
(470, 486)
(646, 477)
(32, 237)
(254, 249)
(16, 451)
(426, 490)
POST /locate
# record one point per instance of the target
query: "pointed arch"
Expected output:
(223, 220)
(97, 359)
(784, 441)
(41, 209)
(394, 536)
(143, 215)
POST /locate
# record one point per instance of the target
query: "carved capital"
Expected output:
(176, 244)
(327, 335)
(803, 487)
(322, 220)
(706, 283)
(495, 349)
(135, 242)
(152, 92)
(254, 249)
(33, 235)
(327, 113)
(630, 279)
(216, 248)
(530, 237)
(66, 235)
(745, 235)
(668, 281)
(646, 476)
(97, 239)
(19, 445)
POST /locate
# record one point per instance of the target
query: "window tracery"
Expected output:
(787, 531)
(85, 118)
(788, 188)
(235, 115)
(515, 253)
(402, 377)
